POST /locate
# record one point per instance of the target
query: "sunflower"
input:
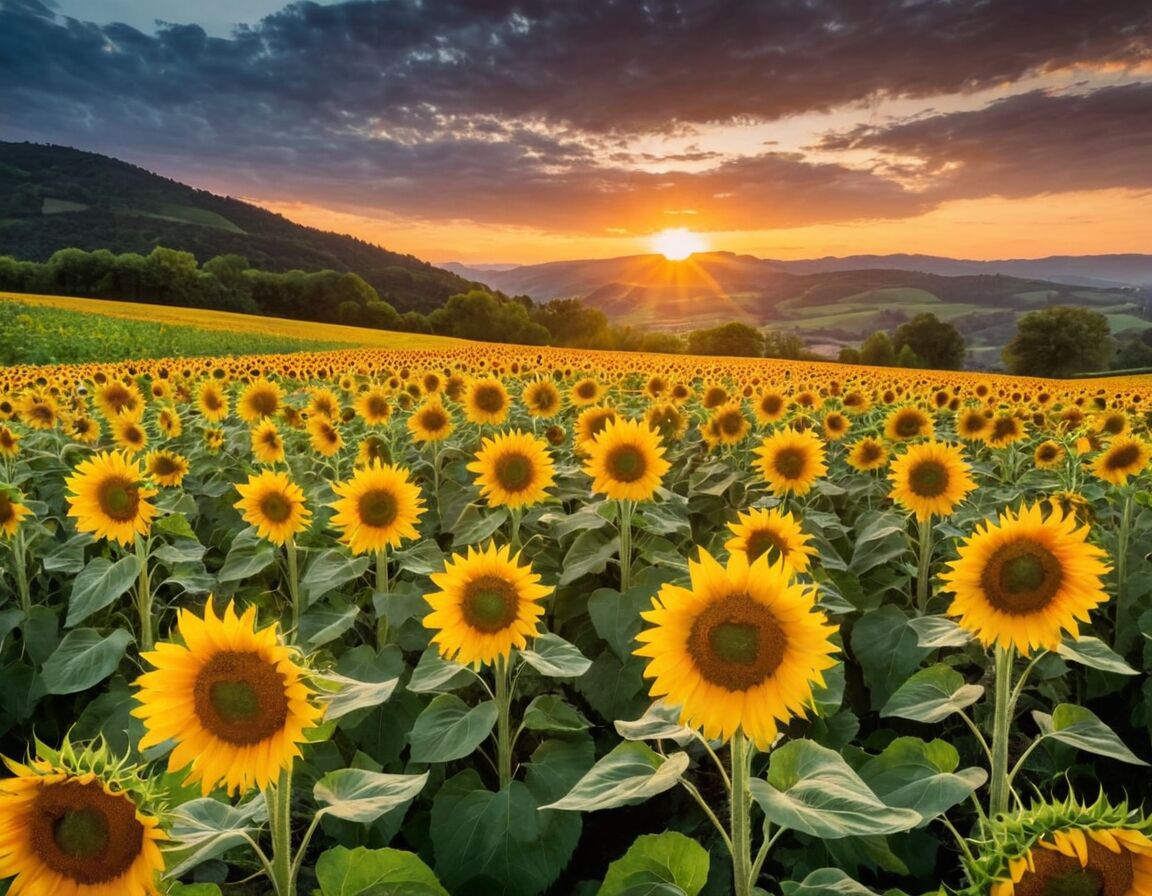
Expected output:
(589, 424)
(115, 398)
(738, 650)
(169, 422)
(774, 533)
(487, 605)
(727, 425)
(907, 423)
(667, 420)
(1126, 456)
(214, 439)
(212, 402)
(486, 401)
(1024, 579)
(930, 478)
(377, 508)
(513, 469)
(626, 461)
(109, 499)
(166, 467)
(9, 442)
(274, 504)
(585, 392)
(372, 406)
(64, 831)
(324, 436)
(82, 429)
(260, 398)
(12, 512)
(791, 461)
(1049, 455)
(431, 422)
(836, 426)
(323, 402)
(267, 443)
(867, 454)
(39, 411)
(372, 449)
(542, 399)
(129, 434)
(231, 697)
(1004, 429)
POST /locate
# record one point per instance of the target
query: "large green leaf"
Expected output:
(921, 776)
(1081, 728)
(359, 795)
(84, 659)
(548, 712)
(248, 555)
(434, 674)
(375, 872)
(328, 571)
(589, 553)
(931, 695)
(551, 655)
(879, 538)
(939, 631)
(661, 721)
(826, 882)
(669, 860)
(630, 774)
(98, 584)
(1093, 652)
(813, 790)
(205, 828)
(888, 650)
(616, 616)
(449, 728)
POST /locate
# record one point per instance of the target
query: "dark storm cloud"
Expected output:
(1025, 145)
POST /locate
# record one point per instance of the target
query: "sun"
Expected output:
(678, 243)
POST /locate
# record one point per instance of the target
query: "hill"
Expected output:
(54, 197)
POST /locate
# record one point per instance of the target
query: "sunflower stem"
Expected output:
(503, 722)
(279, 799)
(144, 597)
(514, 539)
(293, 585)
(1001, 727)
(21, 572)
(1124, 635)
(626, 508)
(923, 575)
(382, 586)
(741, 816)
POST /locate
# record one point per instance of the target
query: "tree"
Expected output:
(571, 322)
(877, 350)
(908, 358)
(481, 315)
(732, 339)
(789, 346)
(849, 355)
(1059, 342)
(937, 344)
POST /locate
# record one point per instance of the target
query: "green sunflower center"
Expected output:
(119, 498)
(736, 643)
(928, 479)
(626, 463)
(240, 698)
(490, 604)
(514, 472)
(377, 508)
(1021, 577)
(790, 463)
(84, 834)
(275, 507)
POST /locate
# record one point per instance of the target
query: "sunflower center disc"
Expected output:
(377, 508)
(586, 391)
(434, 421)
(275, 507)
(263, 403)
(489, 399)
(7, 511)
(377, 406)
(118, 499)
(869, 452)
(240, 698)
(490, 604)
(1106, 873)
(731, 424)
(626, 463)
(736, 643)
(928, 479)
(1075, 883)
(908, 425)
(771, 405)
(1123, 457)
(83, 833)
(790, 463)
(1021, 577)
(764, 541)
(514, 472)
(164, 466)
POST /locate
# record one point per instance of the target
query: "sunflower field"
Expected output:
(489, 620)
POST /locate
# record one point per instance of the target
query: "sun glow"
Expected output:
(678, 243)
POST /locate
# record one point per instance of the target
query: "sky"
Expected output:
(486, 131)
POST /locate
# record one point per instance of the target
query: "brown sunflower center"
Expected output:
(240, 698)
(119, 498)
(490, 604)
(377, 406)
(771, 404)
(42, 413)
(715, 396)
(1004, 428)
(908, 425)
(736, 643)
(869, 452)
(1114, 424)
(765, 541)
(7, 510)
(489, 399)
(928, 479)
(275, 507)
(164, 466)
(1122, 458)
(731, 424)
(377, 507)
(263, 402)
(1021, 577)
(83, 833)
(1047, 453)
(626, 463)
(543, 399)
(586, 390)
(211, 401)
(514, 472)
(790, 462)
(1105, 874)
(433, 419)
(834, 423)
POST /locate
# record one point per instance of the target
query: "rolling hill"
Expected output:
(54, 197)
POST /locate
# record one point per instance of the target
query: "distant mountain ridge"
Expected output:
(56, 197)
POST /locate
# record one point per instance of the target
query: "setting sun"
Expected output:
(678, 243)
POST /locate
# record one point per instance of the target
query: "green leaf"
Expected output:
(813, 790)
(661, 721)
(422, 558)
(1081, 728)
(183, 550)
(616, 616)
(887, 649)
(1093, 652)
(206, 828)
(630, 774)
(879, 538)
(248, 555)
(322, 624)
(826, 882)
(939, 631)
(589, 553)
(176, 525)
(548, 712)
(67, 558)
(654, 860)
(98, 584)
(359, 795)
(179, 889)
(84, 659)
(434, 674)
(449, 729)
(551, 655)
(375, 872)
(921, 776)
(328, 571)
(354, 694)
(476, 525)
(931, 695)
